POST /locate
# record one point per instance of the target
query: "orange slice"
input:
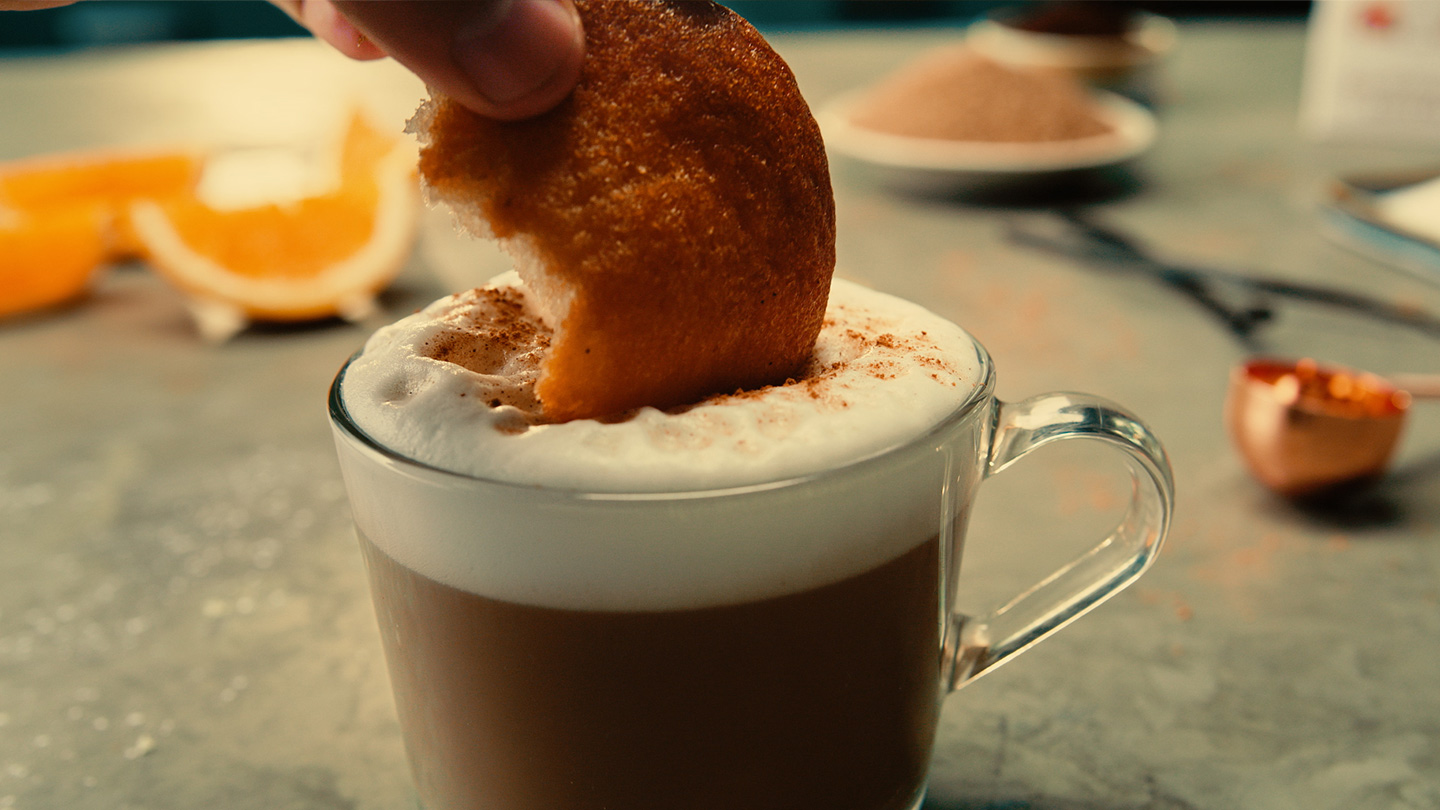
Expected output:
(318, 256)
(112, 178)
(62, 218)
(49, 257)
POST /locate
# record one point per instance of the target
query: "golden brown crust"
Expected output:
(681, 194)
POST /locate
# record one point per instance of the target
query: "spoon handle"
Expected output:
(1419, 386)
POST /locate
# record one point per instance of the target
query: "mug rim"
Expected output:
(341, 419)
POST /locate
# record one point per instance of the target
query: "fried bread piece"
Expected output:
(673, 218)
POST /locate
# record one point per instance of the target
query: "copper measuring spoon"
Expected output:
(1303, 428)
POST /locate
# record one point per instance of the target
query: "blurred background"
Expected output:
(128, 21)
(184, 621)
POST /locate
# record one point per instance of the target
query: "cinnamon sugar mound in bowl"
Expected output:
(672, 220)
(956, 94)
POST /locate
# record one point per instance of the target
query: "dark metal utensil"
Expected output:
(1243, 303)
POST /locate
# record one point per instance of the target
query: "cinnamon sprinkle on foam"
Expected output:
(454, 386)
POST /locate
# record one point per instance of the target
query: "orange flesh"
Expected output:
(293, 241)
(49, 257)
(63, 216)
(115, 179)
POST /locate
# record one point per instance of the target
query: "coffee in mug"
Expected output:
(742, 603)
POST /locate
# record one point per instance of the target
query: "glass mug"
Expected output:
(782, 645)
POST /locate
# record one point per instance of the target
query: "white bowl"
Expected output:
(934, 164)
(1092, 57)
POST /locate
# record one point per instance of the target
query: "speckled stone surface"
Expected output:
(183, 616)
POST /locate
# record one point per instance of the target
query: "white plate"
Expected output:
(1353, 213)
(939, 164)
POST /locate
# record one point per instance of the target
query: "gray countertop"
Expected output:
(183, 615)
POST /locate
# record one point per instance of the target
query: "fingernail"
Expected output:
(345, 36)
(510, 58)
(328, 24)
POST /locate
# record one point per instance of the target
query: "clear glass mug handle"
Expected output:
(976, 645)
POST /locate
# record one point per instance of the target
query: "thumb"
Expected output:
(506, 59)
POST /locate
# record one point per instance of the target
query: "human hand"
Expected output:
(506, 59)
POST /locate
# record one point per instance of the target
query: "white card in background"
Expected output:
(1372, 72)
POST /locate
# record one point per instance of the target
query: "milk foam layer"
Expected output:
(592, 515)
(884, 370)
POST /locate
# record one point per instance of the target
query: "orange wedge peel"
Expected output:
(322, 255)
